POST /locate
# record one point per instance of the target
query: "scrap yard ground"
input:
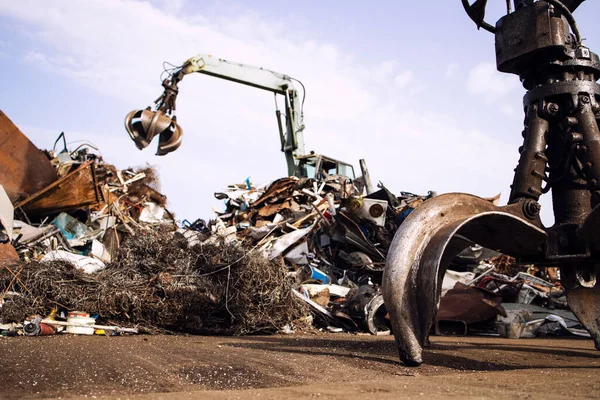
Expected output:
(294, 366)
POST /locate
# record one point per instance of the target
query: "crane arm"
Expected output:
(159, 119)
(260, 78)
(257, 77)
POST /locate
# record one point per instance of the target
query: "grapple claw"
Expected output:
(560, 153)
(424, 246)
(144, 125)
(583, 296)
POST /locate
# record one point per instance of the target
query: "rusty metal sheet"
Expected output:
(469, 305)
(8, 254)
(24, 169)
(75, 190)
(269, 210)
(281, 188)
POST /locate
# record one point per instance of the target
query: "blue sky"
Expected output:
(409, 86)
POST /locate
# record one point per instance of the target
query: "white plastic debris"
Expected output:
(222, 232)
(29, 233)
(527, 294)
(100, 252)
(334, 290)
(104, 221)
(152, 213)
(193, 237)
(285, 241)
(278, 218)
(452, 277)
(84, 263)
(7, 212)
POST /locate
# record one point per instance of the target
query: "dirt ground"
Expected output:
(325, 366)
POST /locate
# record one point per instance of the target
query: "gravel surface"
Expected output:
(328, 365)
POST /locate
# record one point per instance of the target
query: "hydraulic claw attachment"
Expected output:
(423, 247)
(157, 120)
(540, 42)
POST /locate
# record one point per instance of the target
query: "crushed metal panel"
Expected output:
(24, 169)
(357, 238)
(75, 190)
(283, 187)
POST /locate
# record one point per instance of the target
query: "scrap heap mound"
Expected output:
(79, 234)
(91, 237)
(158, 282)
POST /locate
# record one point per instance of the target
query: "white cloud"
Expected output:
(486, 81)
(117, 47)
(451, 70)
(508, 110)
(403, 79)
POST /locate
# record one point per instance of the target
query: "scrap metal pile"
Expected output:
(495, 295)
(79, 234)
(333, 241)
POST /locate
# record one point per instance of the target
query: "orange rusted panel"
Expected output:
(24, 169)
(75, 190)
(8, 254)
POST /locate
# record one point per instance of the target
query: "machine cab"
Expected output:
(319, 167)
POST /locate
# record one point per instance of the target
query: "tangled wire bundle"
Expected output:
(158, 282)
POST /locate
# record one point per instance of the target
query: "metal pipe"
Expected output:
(102, 327)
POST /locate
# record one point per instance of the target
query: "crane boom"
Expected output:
(257, 77)
(160, 119)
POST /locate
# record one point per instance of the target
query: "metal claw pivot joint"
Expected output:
(539, 41)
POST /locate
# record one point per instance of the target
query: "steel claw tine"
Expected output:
(424, 246)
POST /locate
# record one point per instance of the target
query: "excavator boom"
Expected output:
(160, 120)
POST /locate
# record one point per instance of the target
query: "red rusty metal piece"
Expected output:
(24, 169)
(8, 254)
(75, 190)
(467, 305)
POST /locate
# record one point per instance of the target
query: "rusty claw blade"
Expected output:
(424, 246)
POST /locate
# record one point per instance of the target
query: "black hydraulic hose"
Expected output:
(557, 3)
(569, 16)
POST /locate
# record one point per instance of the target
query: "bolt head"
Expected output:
(553, 108)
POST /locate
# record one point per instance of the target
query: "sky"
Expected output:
(411, 87)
